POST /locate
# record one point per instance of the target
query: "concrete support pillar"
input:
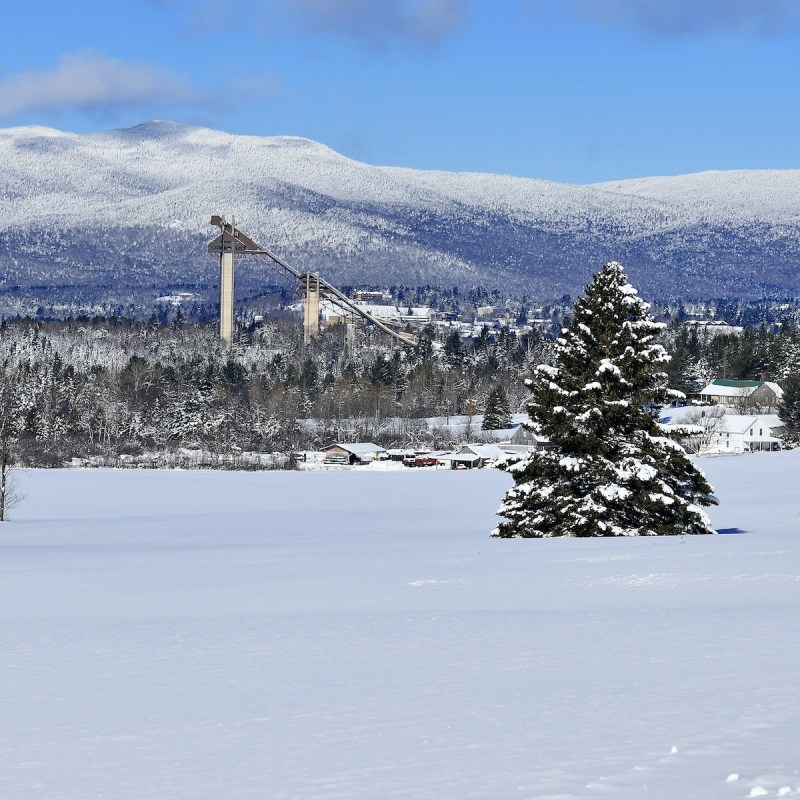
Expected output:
(350, 337)
(311, 311)
(226, 299)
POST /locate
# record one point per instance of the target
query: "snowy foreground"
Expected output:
(357, 634)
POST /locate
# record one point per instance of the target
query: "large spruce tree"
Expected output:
(609, 470)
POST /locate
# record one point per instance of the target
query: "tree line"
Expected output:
(112, 387)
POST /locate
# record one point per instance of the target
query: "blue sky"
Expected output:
(568, 90)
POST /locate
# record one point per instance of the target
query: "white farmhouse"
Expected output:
(743, 433)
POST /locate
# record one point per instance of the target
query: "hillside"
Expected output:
(124, 214)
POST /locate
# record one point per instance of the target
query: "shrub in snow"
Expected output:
(609, 471)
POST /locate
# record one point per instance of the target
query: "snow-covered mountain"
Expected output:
(125, 214)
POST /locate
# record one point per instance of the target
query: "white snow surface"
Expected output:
(358, 634)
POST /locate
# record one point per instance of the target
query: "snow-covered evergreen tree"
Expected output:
(610, 470)
(789, 410)
(497, 415)
(788, 356)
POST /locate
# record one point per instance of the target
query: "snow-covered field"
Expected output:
(357, 634)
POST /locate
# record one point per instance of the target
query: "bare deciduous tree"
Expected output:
(702, 428)
(10, 494)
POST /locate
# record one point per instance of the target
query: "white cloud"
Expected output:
(691, 17)
(95, 83)
(422, 22)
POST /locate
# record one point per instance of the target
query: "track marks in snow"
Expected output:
(440, 582)
(662, 580)
(694, 764)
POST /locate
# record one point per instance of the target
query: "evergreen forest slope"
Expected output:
(124, 214)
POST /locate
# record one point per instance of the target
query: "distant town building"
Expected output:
(713, 327)
(371, 296)
(416, 315)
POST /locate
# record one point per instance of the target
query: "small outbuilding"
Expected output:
(459, 460)
(352, 452)
(486, 454)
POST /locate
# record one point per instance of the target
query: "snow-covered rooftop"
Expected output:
(357, 448)
(487, 451)
(732, 388)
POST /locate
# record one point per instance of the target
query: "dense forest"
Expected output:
(760, 352)
(115, 388)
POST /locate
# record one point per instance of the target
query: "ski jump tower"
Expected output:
(226, 244)
(232, 242)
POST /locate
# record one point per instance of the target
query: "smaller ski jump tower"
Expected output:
(311, 307)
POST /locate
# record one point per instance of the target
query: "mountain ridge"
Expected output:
(128, 210)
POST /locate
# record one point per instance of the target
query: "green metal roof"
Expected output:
(737, 384)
